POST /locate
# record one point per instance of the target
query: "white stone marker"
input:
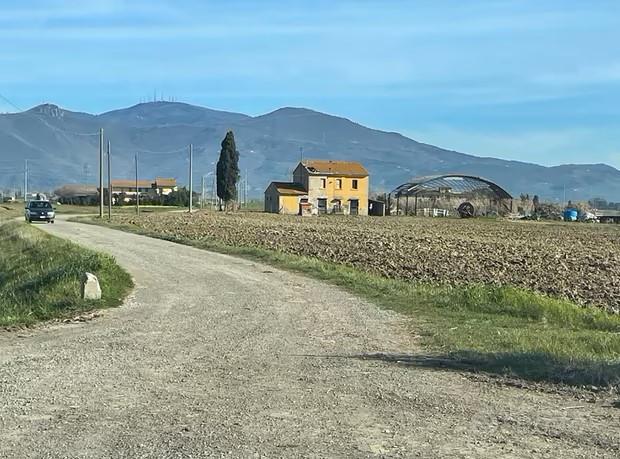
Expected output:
(90, 287)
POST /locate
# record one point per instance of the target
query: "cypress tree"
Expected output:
(228, 170)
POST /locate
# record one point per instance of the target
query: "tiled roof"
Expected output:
(74, 190)
(131, 183)
(160, 182)
(289, 188)
(329, 167)
(166, 182)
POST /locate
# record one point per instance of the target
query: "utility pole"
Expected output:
(101, 173)
(564, 197)
(137, 189)
(191, 183)
(202, 194)
(109, 182)
(213, 189)
(26, 180)
(245, 190)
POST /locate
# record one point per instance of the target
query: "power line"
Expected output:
(9, 169)
(63, 131)
(150, 152)
(10, 103)
(87, 134)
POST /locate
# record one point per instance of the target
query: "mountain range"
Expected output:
(62, 147)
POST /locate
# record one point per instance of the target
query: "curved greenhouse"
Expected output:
(451, 194)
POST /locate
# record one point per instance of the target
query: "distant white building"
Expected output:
(151, 188)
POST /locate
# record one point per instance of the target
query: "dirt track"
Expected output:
(214, 356)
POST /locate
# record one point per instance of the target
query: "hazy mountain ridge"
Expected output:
(62, 147)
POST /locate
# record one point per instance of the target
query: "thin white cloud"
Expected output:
(207, 19)
(585, 75)
(36, 11)
(548, 147)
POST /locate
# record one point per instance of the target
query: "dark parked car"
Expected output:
(40, 211)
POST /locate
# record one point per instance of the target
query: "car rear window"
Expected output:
(40, 205)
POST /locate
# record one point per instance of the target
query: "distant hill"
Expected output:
(61, 149)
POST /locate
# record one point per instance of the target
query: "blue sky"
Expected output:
(529, 80)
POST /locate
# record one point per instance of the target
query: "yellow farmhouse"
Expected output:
(321, 187)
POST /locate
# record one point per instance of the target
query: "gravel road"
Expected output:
(213, 356)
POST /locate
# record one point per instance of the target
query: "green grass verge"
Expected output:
(40, 276)
(9, 211)
(496, 329)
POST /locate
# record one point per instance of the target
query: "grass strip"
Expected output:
(8, 212)
(40, 276)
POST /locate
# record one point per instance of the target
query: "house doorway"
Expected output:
(322, 205)
(336, 206)
(304, 207)
(354, 206)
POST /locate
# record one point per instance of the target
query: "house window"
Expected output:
(354, 184)
(339, 184)
(323, 183)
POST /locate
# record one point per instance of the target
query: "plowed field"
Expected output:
(580, 262)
